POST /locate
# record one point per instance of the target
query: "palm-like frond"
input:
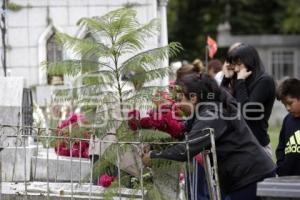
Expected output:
(111, 24)
(149, 59)
(95, 26)
(121, 21)
(84, 47)
(71, 67)
(98, 97)
(96, 78)
(134, 40)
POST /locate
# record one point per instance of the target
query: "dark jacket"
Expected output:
(288, 149)
(262, 91)
(241, 160)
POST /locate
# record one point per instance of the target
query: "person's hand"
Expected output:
(146, 159)
(243, 74)
(228, 70)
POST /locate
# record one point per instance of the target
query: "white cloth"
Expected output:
(219, 77)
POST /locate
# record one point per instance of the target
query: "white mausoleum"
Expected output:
(30, 34)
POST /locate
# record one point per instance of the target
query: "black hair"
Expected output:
(289, 87)
(204, 86)
(247, 55)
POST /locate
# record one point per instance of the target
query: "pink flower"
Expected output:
(181, 176)
(105, 180)
(199, 158)
(64, 124)
(75, 117)
(72, 118)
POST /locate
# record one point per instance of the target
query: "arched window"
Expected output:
(92, 64)
(54, 54)
(90, 57)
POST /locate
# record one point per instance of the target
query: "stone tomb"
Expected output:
(16, 151)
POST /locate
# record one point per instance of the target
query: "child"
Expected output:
(242, 162)
(288, 149)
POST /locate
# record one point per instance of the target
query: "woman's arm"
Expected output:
(259, 94)
(196, 141)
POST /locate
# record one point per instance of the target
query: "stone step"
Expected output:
(60, 168)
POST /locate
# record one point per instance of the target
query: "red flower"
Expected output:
(84, 145)
(135, 114)
(174, 128)
(199, 158)
(72, 118)
(133, 124)
(85, 153)
(62, 149)
(105, 180)
(134, 117)
(75, 152)
(75, 117)
(64, 124)
(146, 122)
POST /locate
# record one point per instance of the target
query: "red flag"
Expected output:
(212, 47)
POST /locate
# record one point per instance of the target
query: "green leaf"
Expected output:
(71, 67)
(151, 135)
(150, 59)
(84, 47)
(134, 40)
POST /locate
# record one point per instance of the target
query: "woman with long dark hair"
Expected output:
(253, 88)
(242, 162)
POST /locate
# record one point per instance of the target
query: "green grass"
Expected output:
(274, 136)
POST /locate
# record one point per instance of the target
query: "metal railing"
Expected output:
(36, 169)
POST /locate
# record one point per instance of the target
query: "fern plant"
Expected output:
(111, 74)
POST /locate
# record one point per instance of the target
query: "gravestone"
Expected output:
(11, 94)
(58, 168)
(60, 191)
(16, 150)
(279, 188)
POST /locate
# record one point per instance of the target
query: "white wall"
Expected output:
(27, 27)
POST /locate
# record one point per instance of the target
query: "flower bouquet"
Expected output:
(74, 137)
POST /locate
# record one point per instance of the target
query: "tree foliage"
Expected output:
(191, 21)
(111, 73)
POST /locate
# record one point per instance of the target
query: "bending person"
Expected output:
(242, 162)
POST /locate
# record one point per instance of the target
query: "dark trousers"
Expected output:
(248, 192)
